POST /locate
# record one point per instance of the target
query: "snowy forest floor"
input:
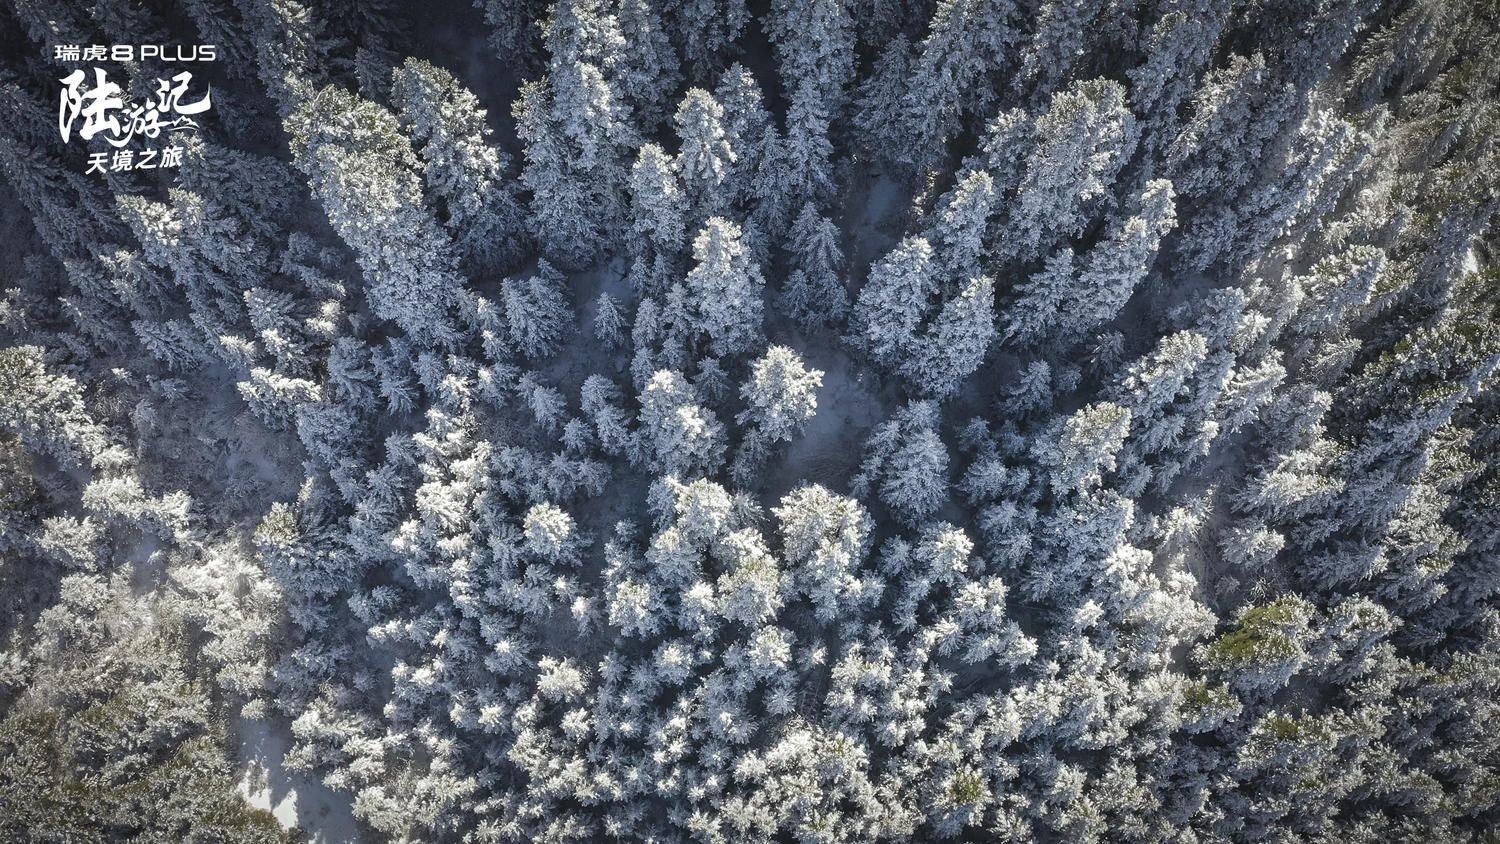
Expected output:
(296, 801)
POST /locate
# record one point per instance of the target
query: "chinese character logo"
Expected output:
(91, 106)
(103, 109)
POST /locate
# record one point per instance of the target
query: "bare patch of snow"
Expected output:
(324, 815)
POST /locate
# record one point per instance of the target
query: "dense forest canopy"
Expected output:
(725, 421)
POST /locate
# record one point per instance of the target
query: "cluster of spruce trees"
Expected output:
(816, 421)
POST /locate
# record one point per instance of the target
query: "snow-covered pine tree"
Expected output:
(726, 289)
(813, 293)
(577, 129)
(891, 306)
(706, 160)
(462, 170)
(906, 464)
(1082, 141)
(362, 168)
(537, 313)
(780, 397)
(954, 346)
(681, 436)
(649, 74)
(704, 31)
